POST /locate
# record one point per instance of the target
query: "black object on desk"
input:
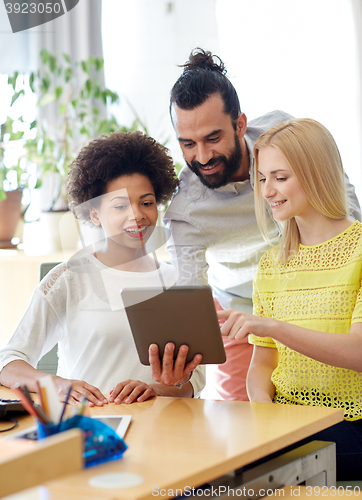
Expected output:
(9, 406)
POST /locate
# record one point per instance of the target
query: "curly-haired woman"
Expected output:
(115, 182)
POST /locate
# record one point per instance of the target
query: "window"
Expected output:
(300, 57)
(23, 108)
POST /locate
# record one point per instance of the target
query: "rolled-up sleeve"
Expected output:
(198, 380)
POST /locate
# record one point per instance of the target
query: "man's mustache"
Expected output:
(213, 161)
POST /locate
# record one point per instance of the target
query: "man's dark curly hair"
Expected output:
(110, 157)
(204, 75)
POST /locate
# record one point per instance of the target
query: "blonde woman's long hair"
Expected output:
(314, 158)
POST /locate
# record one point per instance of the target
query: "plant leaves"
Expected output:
(12, 79)
(31, 82)
(52, 63)
(44, 54)
(16, 95)
(88, 85)
(68, 74)
(58, 92)
(46, 99)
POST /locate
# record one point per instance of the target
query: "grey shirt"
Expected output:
(215, 235)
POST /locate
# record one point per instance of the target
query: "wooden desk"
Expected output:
(174, 443)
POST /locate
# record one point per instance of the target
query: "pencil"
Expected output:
(44, 400)
(43, 416)
(25, 401)
(65, 404)
(40, 395)
(38, 409)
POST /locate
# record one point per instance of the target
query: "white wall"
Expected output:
(299, 56)
(143, 42)
(295, 55)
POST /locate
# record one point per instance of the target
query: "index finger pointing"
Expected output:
(224, 314)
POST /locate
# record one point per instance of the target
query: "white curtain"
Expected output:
(144, 41)
(301, 57)
(78, 33)
(357, 16)
(15, 53)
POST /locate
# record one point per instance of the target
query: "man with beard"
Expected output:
(212, 218)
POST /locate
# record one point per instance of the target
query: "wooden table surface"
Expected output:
(175, 442)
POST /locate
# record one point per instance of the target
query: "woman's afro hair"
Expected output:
(113, 156)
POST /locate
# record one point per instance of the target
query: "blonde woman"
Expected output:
(307, 322)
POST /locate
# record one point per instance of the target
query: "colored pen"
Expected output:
(82, 405)
(65, 404)
(53, 407)
(42, 415)
(40, 395)
(29, 404)
(27, 393)
(38, 409)
(25, 402)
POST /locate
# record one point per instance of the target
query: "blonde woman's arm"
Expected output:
(258, 382)
(335, 349)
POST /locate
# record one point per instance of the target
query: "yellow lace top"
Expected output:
(320, 289)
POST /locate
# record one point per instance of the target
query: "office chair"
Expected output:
(49, 362)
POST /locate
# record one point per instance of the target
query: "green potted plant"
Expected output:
(71, 110)
(14, 170)
(76, 99)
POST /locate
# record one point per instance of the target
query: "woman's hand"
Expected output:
(131, 391)
(238, 325)
(79, 389)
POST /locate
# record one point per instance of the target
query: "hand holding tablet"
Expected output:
(179, 315)
(172, 372)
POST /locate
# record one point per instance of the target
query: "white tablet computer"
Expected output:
(119, 423)
(182, 315)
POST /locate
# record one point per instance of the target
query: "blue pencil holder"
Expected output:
(101, 443)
